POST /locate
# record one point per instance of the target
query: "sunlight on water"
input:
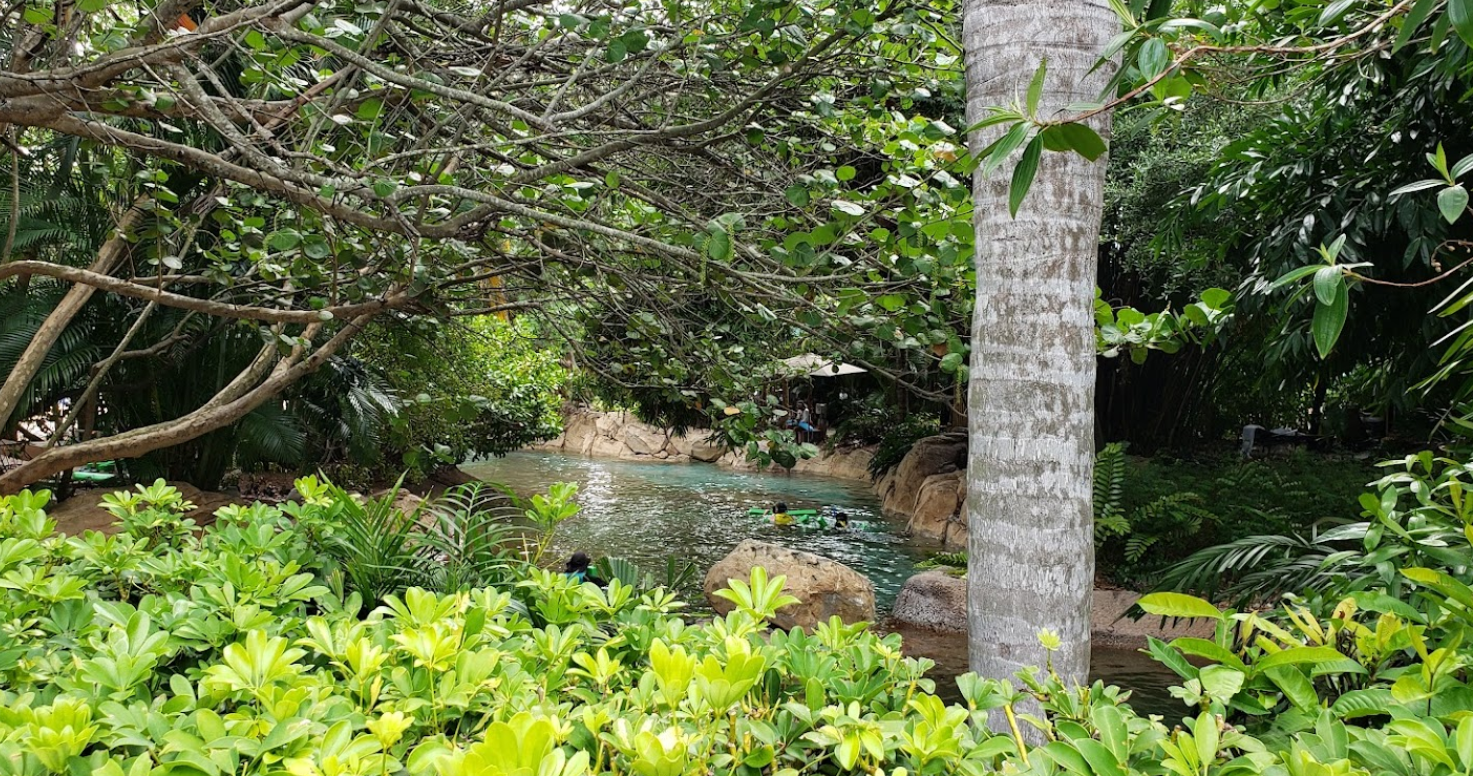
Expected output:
(648, 511)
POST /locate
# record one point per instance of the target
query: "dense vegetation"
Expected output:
(251, 646)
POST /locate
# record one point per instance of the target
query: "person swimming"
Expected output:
(841, 521)
(780, 514)
(580, 568)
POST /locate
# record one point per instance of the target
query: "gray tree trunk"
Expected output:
(1031, 400)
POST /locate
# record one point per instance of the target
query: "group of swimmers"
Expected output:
(780, 516)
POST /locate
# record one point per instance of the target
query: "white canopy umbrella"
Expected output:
(813, 365)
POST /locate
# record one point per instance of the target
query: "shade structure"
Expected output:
(813, 365)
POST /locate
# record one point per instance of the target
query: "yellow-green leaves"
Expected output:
(1178, 605)
(673, 669)
(526, 745)
(721, 685)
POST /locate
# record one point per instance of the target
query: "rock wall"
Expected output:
(621, 435)
(930, 487)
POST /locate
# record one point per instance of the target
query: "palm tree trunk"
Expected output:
(1033, 355)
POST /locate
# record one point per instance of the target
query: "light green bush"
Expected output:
(244, 648)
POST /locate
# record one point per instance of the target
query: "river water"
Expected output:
(647, 512)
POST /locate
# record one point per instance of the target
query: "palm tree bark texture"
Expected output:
(1031, 391)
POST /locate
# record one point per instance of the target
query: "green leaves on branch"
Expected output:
(1330, 283)
(1131, 331)
(1452, 200)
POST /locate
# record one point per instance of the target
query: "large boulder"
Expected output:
(934, 600)
(824, 588)
(940, 511)
(930, 486)
(706, 452)
(643, 440)
(845, 463)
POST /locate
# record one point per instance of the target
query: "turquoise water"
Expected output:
(647, 512)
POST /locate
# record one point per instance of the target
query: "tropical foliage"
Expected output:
(243, 647)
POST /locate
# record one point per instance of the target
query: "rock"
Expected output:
(846, 463)
(642, 439)
(446, 477)
(270, 487)
(933, 599)
(706, 453)
(405, 501)
(901, 489)
(824, 588)
(939, 511)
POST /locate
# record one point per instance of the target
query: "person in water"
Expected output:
(841, 521)
(780, 514)
(580, 568)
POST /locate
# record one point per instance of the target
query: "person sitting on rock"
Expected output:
(580, 568)
(780, 514)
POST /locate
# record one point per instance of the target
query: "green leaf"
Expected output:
(1372, 702)
(891, 302)
(1460, 15)
(1153, 58)
(797, 195)
(1216, 298)
(93, 6)
(845, 173)
(1101, 760)
(1452, 201)
(1412, 21)
(1334, 12)
(1296, 687)
(1004, 147)
(1221, 683)
(284, 240)
(370, 109)
(1464, 165)
(1294, 275)
(849, 208)
(1326, 284)
(1191, 645)
(612, 179)
(1329, 320)
(1421, 185)
(718, 246)
(1035, 87)
(1085, 141)
(316, 248)
(1178, 605)
(1023, 175)
(1297, 656)
(951, 362)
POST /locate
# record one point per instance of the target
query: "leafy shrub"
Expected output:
(476, 387)
(1124, 537)
(234, 654)
(898, 441)
(1414, 516)
(1152, 513)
